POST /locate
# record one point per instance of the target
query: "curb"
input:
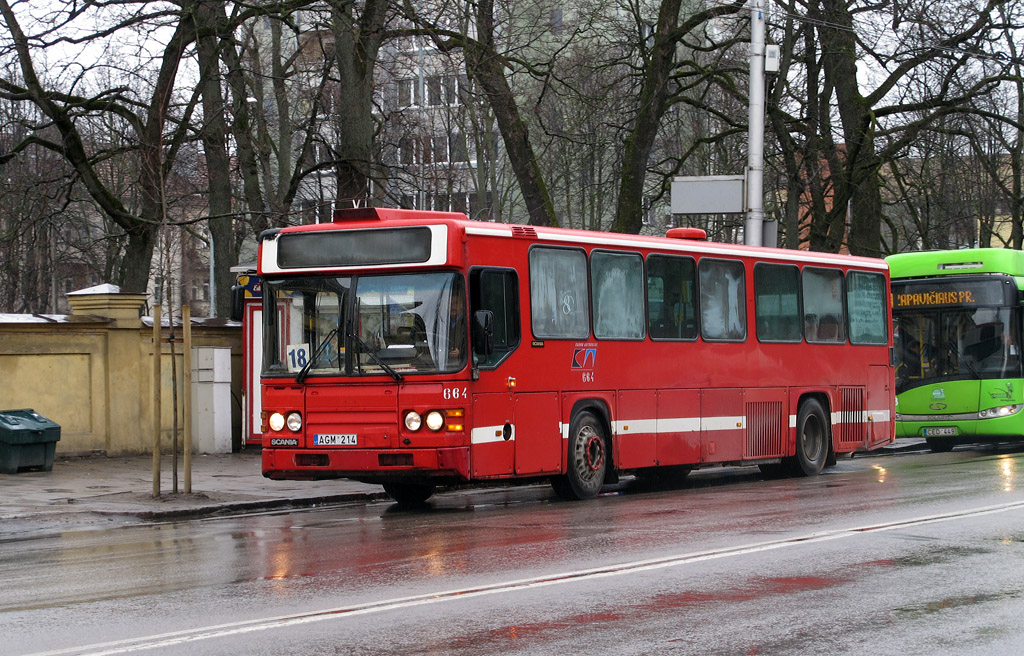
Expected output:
(231, 507)
(916, 446)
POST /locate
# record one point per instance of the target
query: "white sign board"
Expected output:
(708, 194)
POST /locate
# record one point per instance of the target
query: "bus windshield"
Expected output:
(364, 325)
(956, 343)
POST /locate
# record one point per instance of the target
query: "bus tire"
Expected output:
(940, 444)
(588, 458)
(561, 487)
(812, 439)
(409, 494)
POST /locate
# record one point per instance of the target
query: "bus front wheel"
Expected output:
(409, 494)
(812, 439)
(587, 462)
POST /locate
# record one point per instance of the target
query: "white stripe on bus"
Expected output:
(490, 434)
(667, 425)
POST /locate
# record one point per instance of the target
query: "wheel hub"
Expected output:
(594, 453)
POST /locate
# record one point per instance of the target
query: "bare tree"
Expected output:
(998, 143)
(147, 119)
(886, 90)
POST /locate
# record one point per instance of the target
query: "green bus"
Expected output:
(957, 338)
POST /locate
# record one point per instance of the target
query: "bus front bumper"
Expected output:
(994, 428)
(449, 463)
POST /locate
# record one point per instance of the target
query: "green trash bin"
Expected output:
(27, 441)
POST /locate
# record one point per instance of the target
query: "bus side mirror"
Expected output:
(483, 332)
(237, 301)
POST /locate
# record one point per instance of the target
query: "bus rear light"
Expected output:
(312, 459)
(394, 459)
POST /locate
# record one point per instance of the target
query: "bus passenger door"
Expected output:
(495, 434)
(492, 449)
(678, 441)
(722, 425)
(538, 442)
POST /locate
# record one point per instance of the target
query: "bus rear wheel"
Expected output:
(409, 494)
(587, 462)
(812, 439)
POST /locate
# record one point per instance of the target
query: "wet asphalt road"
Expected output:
(904, 554)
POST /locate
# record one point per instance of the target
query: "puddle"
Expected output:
(932, 607)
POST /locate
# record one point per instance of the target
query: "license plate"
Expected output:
(935, 432)
(332, 439)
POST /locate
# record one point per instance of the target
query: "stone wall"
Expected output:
(91, 372)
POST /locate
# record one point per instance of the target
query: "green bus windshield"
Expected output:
(956, 316)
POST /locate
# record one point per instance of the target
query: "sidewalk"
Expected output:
(97, 490)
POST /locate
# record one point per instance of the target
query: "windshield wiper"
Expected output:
(962, 359)
(373, 356)
(301, 376)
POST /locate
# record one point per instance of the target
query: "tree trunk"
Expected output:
(487, 69)
(651, 107)
(357, 42)
(247, 160)
(218, 164)
(856, 187)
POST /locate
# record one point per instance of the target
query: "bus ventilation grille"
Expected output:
(765, 429)
(523, 231)
(851, 415)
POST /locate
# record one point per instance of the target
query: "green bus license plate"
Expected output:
(937, 432)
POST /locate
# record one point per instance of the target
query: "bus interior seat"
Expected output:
(828, 329)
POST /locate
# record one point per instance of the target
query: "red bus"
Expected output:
(416, 349)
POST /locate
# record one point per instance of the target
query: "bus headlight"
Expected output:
(276, 421)
(1001, 411)
(413, 421)
(294, 422)
(435, 420)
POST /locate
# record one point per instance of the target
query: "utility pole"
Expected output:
(752, 231)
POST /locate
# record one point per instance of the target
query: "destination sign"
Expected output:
(338, 248)
(936, 293)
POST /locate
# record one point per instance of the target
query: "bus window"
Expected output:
(723, 302)
(558, 293)
(618, 295)
(777, 302)
(671, 301)
(496, 290)
(824, 318)
(865, 301)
